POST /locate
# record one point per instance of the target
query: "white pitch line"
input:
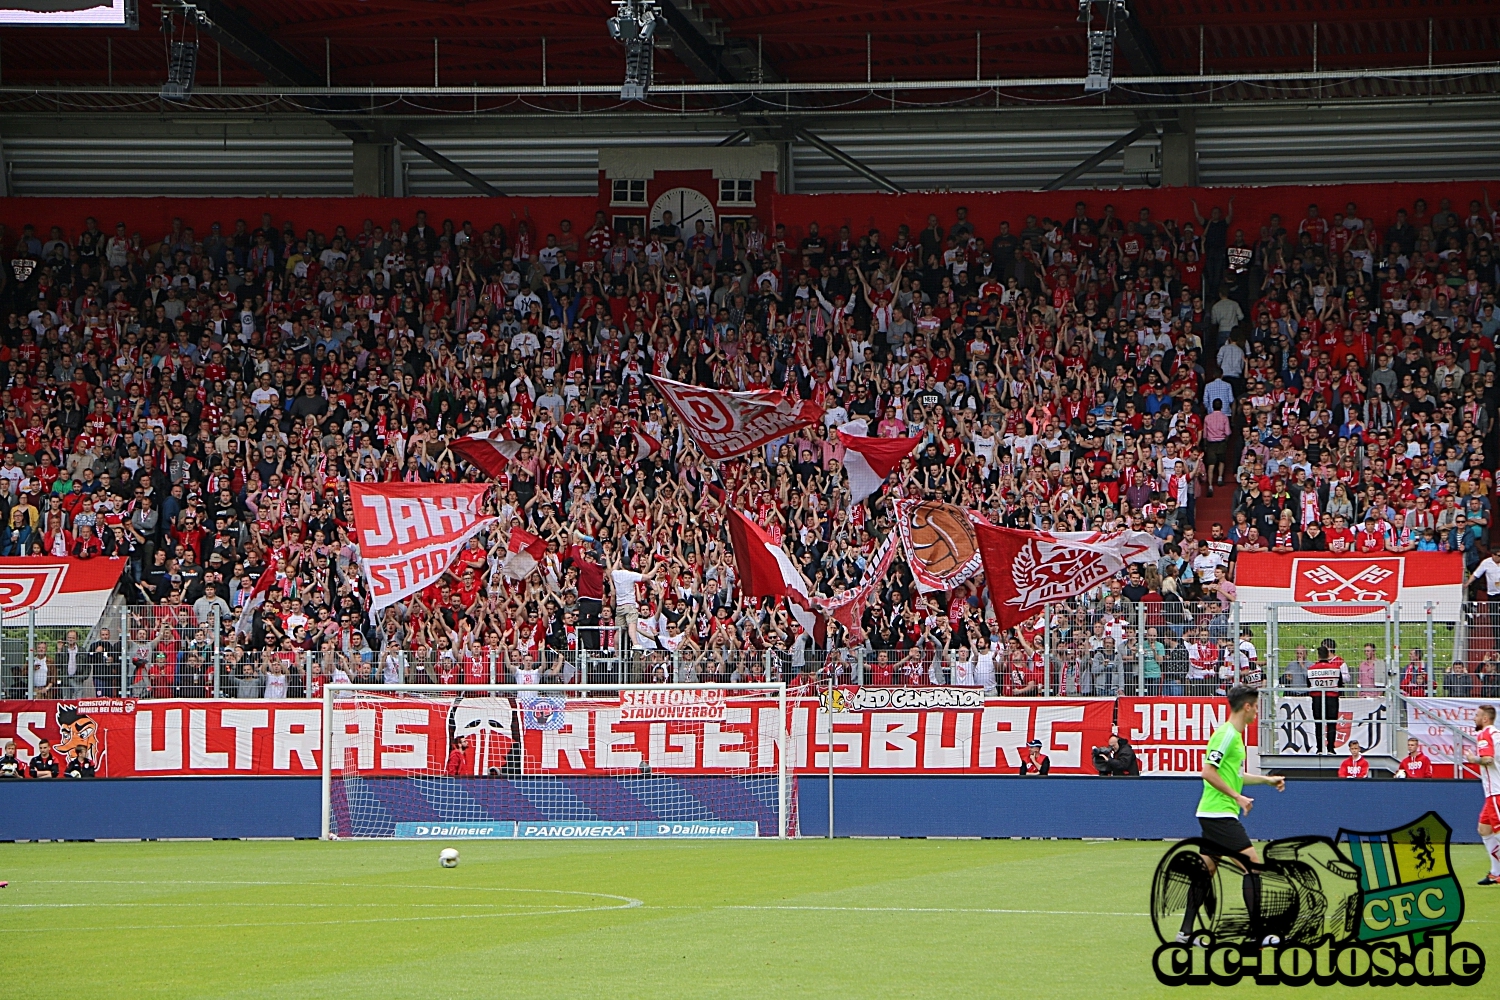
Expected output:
(372, 920)
(940, 909)
(89, 906)
(340, 885)
(513, 909)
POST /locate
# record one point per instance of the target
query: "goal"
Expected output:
(577, 761)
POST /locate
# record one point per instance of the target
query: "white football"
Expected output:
(449, 858)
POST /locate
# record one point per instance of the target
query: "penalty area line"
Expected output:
(921, 909)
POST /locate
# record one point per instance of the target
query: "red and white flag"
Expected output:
(410, 533)
(1319, 586)
(1027, 570)
(765, 570)
(263, 584)
(488, 451)
(522, 554)
(869, 461)
(60, 591)
(941, 548)
(726, 424)
(645, 444)
(847, 607)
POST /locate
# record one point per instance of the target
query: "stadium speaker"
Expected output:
(1101, 62)
(181, 69)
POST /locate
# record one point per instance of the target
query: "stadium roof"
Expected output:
(410, 45)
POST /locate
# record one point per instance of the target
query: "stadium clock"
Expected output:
(687, 205)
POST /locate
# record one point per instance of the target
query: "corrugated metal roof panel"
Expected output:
(526, 166)
(1437, 142)
(309, 165)
(961, 161)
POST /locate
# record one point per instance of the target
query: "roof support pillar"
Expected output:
(373, 167)
(1179, 153)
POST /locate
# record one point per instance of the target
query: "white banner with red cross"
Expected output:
(1323, 584)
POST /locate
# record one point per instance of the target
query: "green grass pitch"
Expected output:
(802, 919)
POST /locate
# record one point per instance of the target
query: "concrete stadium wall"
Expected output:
(1127, 808)
(1139, 808)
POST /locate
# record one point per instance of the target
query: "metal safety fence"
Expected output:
(1076, 648)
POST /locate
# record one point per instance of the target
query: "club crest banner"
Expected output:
(726, 424)
(1319, 581)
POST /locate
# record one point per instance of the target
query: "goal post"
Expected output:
(557, 761)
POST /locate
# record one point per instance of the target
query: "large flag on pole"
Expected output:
(522, 554)
(1027, 570)
(846, 607)
(765, 570)
(410, 533)
(263, 584)
(941, 547)
(726, 424)
(868, 461)
(645, 444)
(489, 451)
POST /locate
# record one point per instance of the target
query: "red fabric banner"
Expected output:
(63, 591)
(1027, 570)
(393, 736)
(410, 533)
(1170, 734)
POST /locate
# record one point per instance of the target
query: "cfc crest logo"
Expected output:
(1377, 909)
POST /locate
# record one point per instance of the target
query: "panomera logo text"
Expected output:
(1379, 909)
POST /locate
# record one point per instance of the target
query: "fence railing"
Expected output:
(1073, 649)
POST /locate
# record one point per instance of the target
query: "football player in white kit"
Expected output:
(1489, 776)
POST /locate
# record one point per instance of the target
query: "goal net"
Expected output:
(557, 761)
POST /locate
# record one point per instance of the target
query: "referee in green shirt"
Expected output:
(1220, 806)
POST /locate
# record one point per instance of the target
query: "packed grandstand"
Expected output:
(198, 402)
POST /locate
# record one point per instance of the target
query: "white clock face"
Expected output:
(688, 206)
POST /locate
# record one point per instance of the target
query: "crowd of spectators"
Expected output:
(197, 402)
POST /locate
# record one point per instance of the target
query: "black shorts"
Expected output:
(1225, 833)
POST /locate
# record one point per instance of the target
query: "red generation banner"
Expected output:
(1170, 734)
(394, 736)
(410, 533)
(63, 591)
(1317, 581)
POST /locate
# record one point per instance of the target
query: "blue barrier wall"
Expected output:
(1142, 808)
(156, 808)
(1127, 808)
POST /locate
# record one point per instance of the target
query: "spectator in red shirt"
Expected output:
(1415, 764)
(458, 758)
(1414, 676)
(1355, 765)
